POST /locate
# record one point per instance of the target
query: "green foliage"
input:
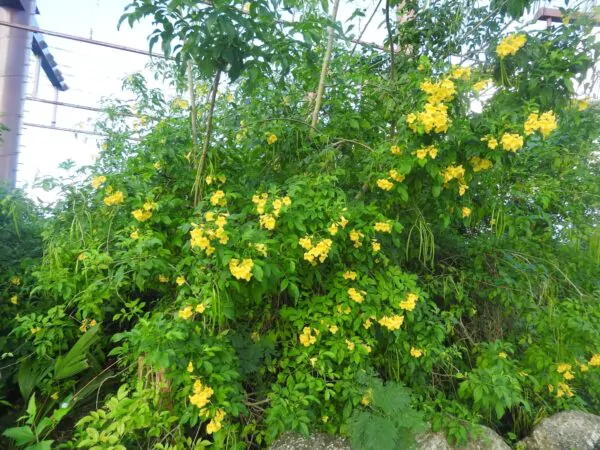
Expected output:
(396, 239)
(389, 422)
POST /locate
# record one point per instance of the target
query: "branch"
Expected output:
(198, 183)
(358, 40)
(324, 68)
(390, 38)
(194, 111)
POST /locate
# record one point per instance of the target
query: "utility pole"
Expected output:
(15, 46)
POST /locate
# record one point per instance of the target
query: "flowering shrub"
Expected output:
(407, 242)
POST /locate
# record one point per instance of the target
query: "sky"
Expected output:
(94, 73)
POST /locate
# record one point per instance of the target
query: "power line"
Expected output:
(72, 130)
(81, 39)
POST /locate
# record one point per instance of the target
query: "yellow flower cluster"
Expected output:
(216, 423)
(510, 45)
(511, 142)
(385, 184)
(410, 302)
(211, 179)
(565, 370)
(582, 105)
(186, 312)
(145, 213)
(98, 181)
(135, 234)
(415, 352)
(357, 296)
(480, 85)
(114, 199)
(163, 279)
(465, 211)
(595, 360)
(179, 103)
(356, 237)
(333, 229)
(241, 270)
(239, 137)
(202, 235)
(218, 198)
(391, 323)
(564, 389)
(261, 248)
(202, 394)
(375, 245)
(452, 172)
(271, 138)
(260, 200)
(307, 338)
(433, 117)
(461, 73)
(440, 92)
(396, 176)
(180, 280)
(395, 150)
(15, 280)
(492, 142)
(267, 221)
(333, 329)
(545, 124)
(383, 227)
(424, 151)
(480, 164)
(14, 300)
(349, 275)
(87, 323)
(367, 398)
(318, 252)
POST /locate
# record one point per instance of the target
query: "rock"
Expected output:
(432, 441)
(565, 431)
(319, 441)
(481, 438)
(484, 438)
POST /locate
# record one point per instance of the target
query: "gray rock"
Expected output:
(565, 431)
(484, 438)
(432, 441)
(481, 438)
(319, 441)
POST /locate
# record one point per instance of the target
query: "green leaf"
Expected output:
(21, 435)
(75, 360)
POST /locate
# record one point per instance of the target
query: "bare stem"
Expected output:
(324, 68)
(193, 109)
(198, 183)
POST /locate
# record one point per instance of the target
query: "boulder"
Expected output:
(318, 441)
(480, 438)
(565, 431)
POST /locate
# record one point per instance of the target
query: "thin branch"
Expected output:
(324, 68)
(198, 183)
(390, 38)
(341, 141)
(356, 42)
(193, 109)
